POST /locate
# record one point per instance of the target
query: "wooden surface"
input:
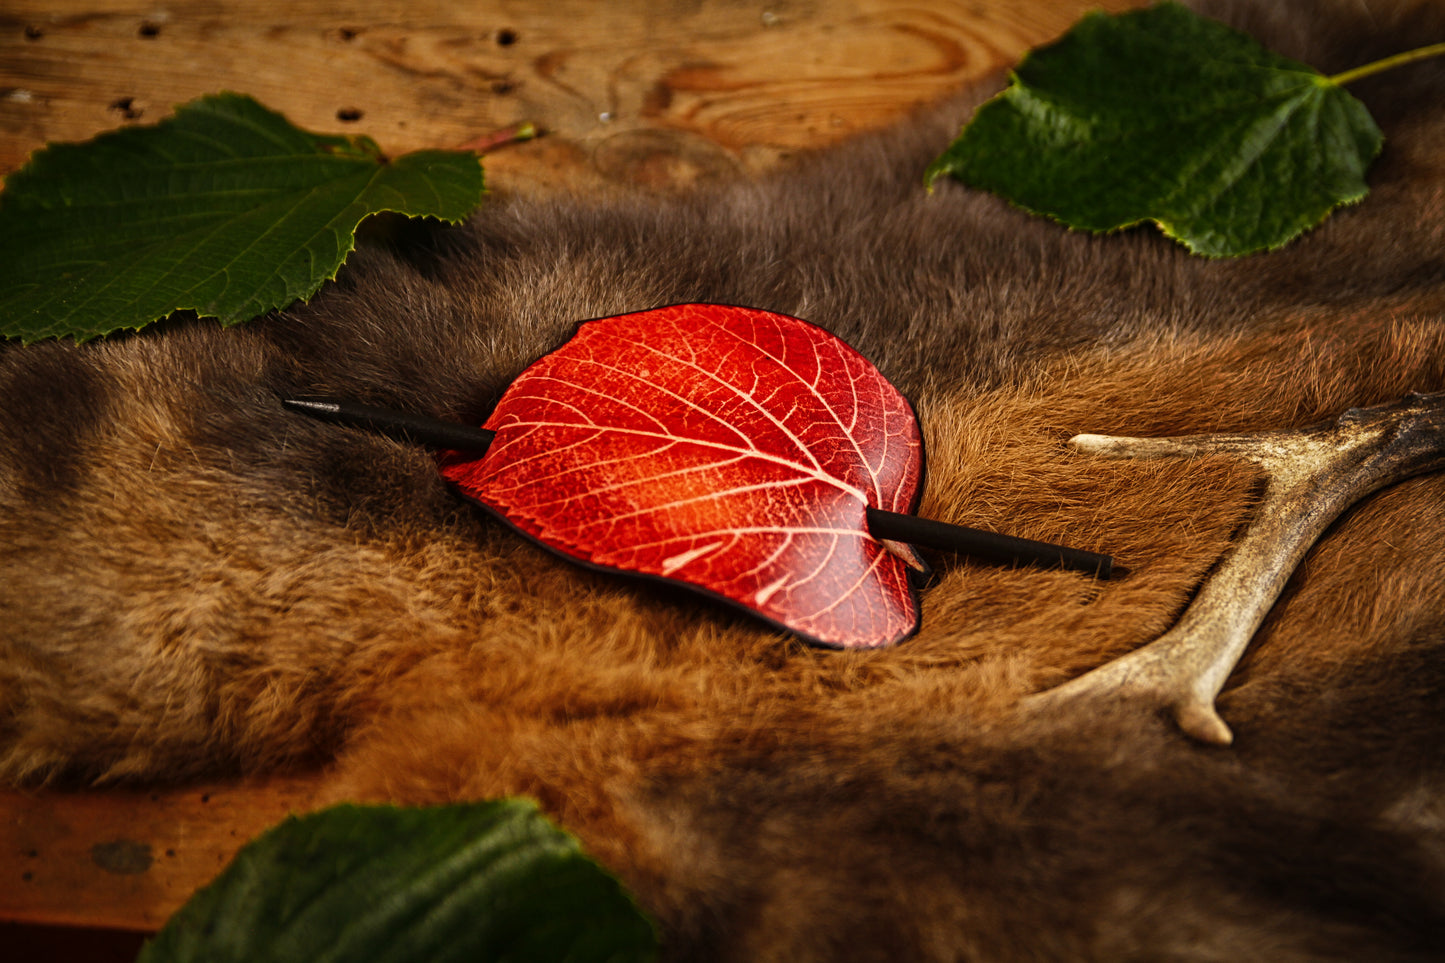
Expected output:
(659, 93)
(126, 859)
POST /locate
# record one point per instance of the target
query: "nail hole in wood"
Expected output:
(127, 108)
(150, 30)
(33, 32)
(348, 114)
(505, 37)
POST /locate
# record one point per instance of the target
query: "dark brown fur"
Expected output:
(196, 582)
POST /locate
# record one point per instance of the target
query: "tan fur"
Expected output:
(195, 581)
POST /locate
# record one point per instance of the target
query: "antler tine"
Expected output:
(1311, 477)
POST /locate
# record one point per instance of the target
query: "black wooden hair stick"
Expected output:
(398, 425)
(988, 546)
(893, 526)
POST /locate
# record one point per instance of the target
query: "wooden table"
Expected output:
(663, 94)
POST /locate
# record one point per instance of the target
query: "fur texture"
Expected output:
(195, 582)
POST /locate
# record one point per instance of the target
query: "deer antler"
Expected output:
(1312, 476)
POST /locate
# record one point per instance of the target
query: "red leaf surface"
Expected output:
(729, 449)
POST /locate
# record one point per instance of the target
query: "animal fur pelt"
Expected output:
(194, 581)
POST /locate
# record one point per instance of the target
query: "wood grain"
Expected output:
(659, 93)
(662, 92)
(128, 859)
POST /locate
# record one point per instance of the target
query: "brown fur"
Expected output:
(194, 581)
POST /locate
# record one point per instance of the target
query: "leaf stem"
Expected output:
(513, 134)
(1379, 66)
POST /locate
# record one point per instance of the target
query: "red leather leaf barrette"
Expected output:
(745, 454)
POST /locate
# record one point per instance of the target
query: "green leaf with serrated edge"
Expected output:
(1162, 115)
(224, 209)
(381, 884)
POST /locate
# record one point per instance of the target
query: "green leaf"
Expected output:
(1161, 115)
(225, 209)
(380, 884)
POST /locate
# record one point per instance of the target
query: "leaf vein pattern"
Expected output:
(744, 396)
(545, 454)
(827, 405)
(618, 486)
(822, 566)
(864, 576)
(818, 474)
(663, 507)
(613, 369)
(742, 530)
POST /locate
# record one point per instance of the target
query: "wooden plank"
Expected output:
(128, 859)
(727, 84)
